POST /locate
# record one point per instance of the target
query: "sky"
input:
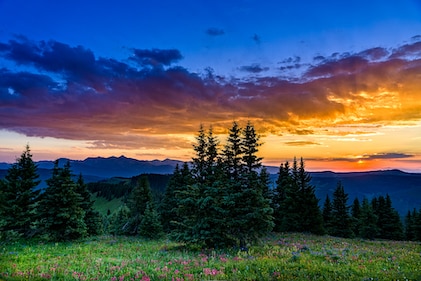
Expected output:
(338, 85)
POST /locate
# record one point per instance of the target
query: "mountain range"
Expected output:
(403, 188)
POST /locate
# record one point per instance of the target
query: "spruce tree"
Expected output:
(139, 198)
(249, 212)
(169, 202)
(311, 216)
(283, 182)
(417, 224)
(291, 206)
(413, 225)
(93, 219)
(119, 221)
(389, 223)
(341, 222)
(367, 221)
(355, 215)
(185, 210)
(327, 215)
(150, 225)
(60, 212)
(19, 198)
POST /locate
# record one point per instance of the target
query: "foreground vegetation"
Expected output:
(289, 256)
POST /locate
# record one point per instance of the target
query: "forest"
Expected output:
(221, 199)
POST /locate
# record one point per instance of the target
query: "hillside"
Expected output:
(404, 188)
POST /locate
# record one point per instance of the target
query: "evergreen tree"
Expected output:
(185, 210)
(410, 227)
(119, 221)
(367, 221)
(327, 215)
(60, 212)
(150, 225)
(249, 212)
(355, 215)
(264, 179)
(283, 183)
(138, 199)
(389, 223)
(291, 207)
(93, 219)
(416, 219)
(19, 197)
(341, 222)
(169, 202)
(311, 216)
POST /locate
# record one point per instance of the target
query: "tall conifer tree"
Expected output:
(60, 211)
(342, 222)
(19, 197)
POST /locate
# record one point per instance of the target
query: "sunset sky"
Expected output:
(336, 84)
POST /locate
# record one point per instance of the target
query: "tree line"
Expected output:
(222, 198)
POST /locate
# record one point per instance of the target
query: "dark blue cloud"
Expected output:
(213, 31)
(156, 57)
(254, 68)
(390, 155)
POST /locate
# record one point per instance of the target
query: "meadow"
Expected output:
(291, 256)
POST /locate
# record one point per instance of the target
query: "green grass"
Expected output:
(279, 257)
(102, 205)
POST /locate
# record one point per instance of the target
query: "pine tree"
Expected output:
(60, 212)
(367, 221)
(283, 183)
(291, 207)
(150, 225)
(389, 223)
(311, 216)
(119, 221)
(416, 216)
(249, 213)
(327, 215)
(169, 202)
(410, 228)
(355, 215)
(341, 223)
(93, 219)
(19, 198)
(185, 208)
(138, 199)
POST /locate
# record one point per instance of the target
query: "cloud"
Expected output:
(301, 143)
(256, 38)
(390, 155)
(156, 57)
(213, 31)
(254, 68)
(295, 59)
(63, 91)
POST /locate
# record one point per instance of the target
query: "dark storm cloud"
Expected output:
(71, 94)
(254, 68)
(156, 57)
(213, 31)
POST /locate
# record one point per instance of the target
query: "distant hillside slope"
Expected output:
(99, 168)
(404, 188)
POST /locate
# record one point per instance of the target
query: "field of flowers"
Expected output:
(280, 257)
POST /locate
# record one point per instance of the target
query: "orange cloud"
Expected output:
(115, 104)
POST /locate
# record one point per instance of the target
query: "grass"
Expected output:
(279, 257)
(102, 205)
